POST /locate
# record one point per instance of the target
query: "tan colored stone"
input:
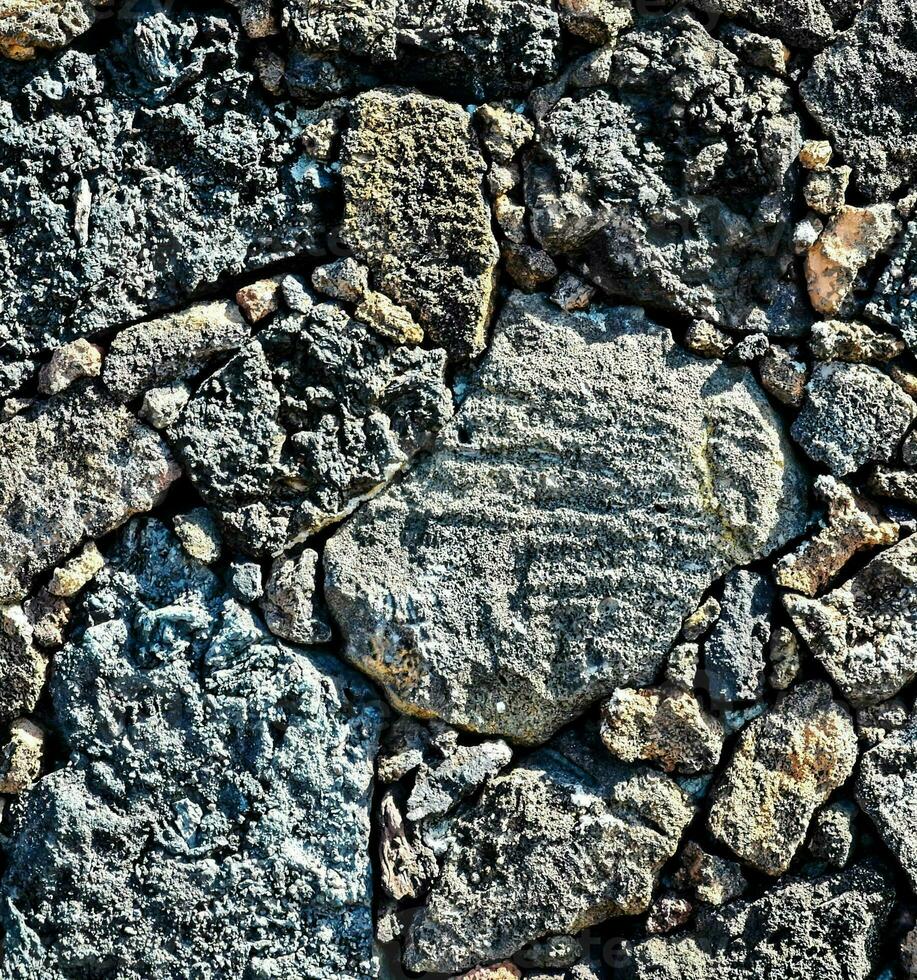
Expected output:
(815, 154)
(497, 971)
(74, 574)
(259, 299)
(20, 760)
(48, 615)
(388, 319)
(69, 363)
(530, 268)
(783, 376)
(22, 665)
(856, 343)
(595, 21)
(707, 340)
(345, 280)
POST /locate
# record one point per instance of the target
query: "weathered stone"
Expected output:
(344, 279)
(415, 215)
(875, 721)
(245, 580)
(887, 791)
(553, 846)
(698, 624)
(553, 953)
(800, 23)
(707, 340)
(668, 912)
(259, 299)
(894, 484)
(78, 359)
(289, 600)
(864, 633)
(497, 971)
(257, 17)
(785, 766)
(48, 616)
(633, 174)
(830, 928)
(20, 760)
(199, 534)
(22, 666)
(749, 349)
(28, 26)
(850, 241)
(815, 154)
(682, 666)
(75, 468)
(529, 268)
(806, 232)
(831, 841)
(161, 407)
(403, 750)
(388, 319)
(311, 417)
(756, 49)
(734, 652)
(544, 555)
(850, 525)
(437, 789)
(834, 340)
(824, 190)
(713, 880)
(783, 376)
(571, 293)
(76, 573)
(200, 751)
(853, 415)
(407, 865)
(664, 725)
(136, 178)
(893, 301)
(173, 348)
(862, 103)
(595, 21)
(785, 661)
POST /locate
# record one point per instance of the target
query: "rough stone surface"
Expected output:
(864, 633)
(832, 833)
(30, 26)
(311, 417)
(834, 340)
(853, 415)
(206, 805)
(289, 600)
(858, 91)
(199, 535)
(887, 791)
(578, 827)
(75, 467)
(20, 760)
(411, 164)
(712, 879)
(173, 348)
(786, 764)
(893, 300)
(78, 359)
(22, 665)
(829, 928)
(633, 174)
(73, 575)
(464, 572)
(734, 652)
(801, 24)
(161, 407)
(145, 174)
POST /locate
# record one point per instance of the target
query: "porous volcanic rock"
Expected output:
(596, 480)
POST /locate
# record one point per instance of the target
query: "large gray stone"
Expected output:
(557, 844)
(801, 23)
(212, 819)
(596, 480)
(74, 467)
(824, 929)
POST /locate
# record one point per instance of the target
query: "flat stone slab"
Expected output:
(595, 482)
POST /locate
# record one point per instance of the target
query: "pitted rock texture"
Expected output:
(133, 179)
(595, 481)
(673, 180)
(499, 885)
(180, 838)
(308, 419)
(75, 467)
(30, 26)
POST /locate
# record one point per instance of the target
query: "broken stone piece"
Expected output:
(830, 928)
(345, 280)
(892, 302)
(824, 189)
(554, 952)
(77, 468)
(831, 840)
(664, 725)
(20, 759)
(162, 406)
(851, 524)
(864, 633)
(707, 340)
(815, 154)
(698, 624)
(852, 239)
(504, 132)
(786, 764)
(595, 21)
(667, 913)
(22, 665)
(199, 534)
(289, 600)
(388, 319)
(437, 789)
(712, 879)
(571, 293)
(172, 348)
(48, 615)
(496, 971)
(78, 359)
(403, 750)
(530, 268)
(27, 27)
(245, 580)
(407, 865)
(835, 340)
(785, 661)
(596, 836)
(76, 573)
(783, 376)
(259, 299)
(414, 213)
(480, 539)
(875, 721)
(734, 652)
(833, 427)
(893, 484)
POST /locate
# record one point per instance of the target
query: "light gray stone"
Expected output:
(437, 789)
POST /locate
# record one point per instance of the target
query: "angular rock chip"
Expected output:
(314, 415)
(853, 415)
(835, 340)
(801, 23)
(22, 665)
(415, 214)
(406, 865)
(893, 300)
(595, 482)
(133, 179)
(30, 26)
(288, 603)
(213, 816)
(713, 879)
(554, 846)
(645, 176)
(785, 766)
(173, 348)
(78, 359)
(887, 791)
(74, 468)
(864, 633)
(832, 833)
(860, 92)
(734, 653)
(20, 759)
(830, 928)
